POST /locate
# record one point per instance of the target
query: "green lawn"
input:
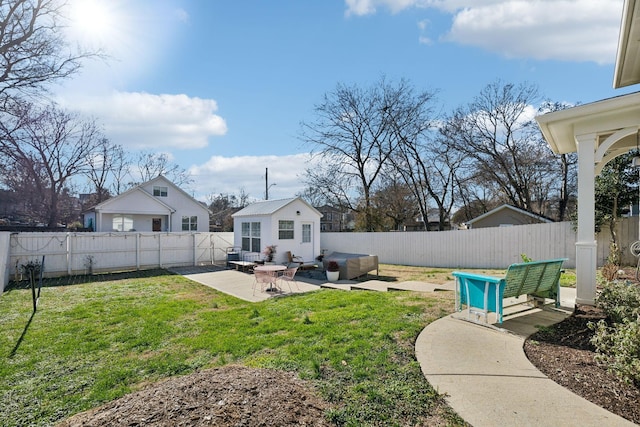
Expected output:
(93, 341)
(400, 273)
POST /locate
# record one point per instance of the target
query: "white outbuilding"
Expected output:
(289, 224)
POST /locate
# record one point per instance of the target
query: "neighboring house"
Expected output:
(290, 224)
(504, 216)
(433, 222)
(156, 205)
(334, 219)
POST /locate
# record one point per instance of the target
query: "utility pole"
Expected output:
(266, 184)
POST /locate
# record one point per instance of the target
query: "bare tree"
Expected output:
(566, 187)
(394, 204)
(353, 140)
(100, 167)
(222, 206)
(48, 146)
(33, 51)
(314, 197)
(497, 133)
(425, 168)
(120, 169)
(151, 164)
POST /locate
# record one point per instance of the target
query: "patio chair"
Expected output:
(263, 278)
(293, 259)
(288, 276)
(298, 261)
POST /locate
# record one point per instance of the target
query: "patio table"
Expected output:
(271, 268)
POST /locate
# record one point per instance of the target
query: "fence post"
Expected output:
(5, 257)
(69, 249)
(137, 251)
(195, 249)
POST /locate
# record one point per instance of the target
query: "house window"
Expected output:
(189, 223)
(251, 236)
(160, 191)
(306, 233)
(122, 223)
(285, 230)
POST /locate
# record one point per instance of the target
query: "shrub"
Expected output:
(620, 302)
(333, 266)
(525, 258)
(617, 339)
(619, 347)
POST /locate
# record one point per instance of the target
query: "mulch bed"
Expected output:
(563, 353)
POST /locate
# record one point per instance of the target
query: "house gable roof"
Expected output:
(163, 179)
(139, 191)
(134, 192)
(269, 207)
(508, 207)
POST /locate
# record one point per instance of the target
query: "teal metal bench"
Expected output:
(484, 294)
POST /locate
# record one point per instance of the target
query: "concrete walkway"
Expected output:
(488, 379)
(482, 369)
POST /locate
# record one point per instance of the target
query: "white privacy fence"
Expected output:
(497, 247)
(81, 253)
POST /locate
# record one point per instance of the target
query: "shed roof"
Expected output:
(269, 207)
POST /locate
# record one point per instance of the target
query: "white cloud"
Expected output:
(573, 30)
(140, 120)
(368, 7)
(231, 174)
(581, 30)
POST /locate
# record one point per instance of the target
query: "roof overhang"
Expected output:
(628, 60)
(603, 118)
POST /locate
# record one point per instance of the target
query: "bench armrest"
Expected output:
(479, 292)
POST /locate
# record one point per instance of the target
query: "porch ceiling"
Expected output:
(603, 118)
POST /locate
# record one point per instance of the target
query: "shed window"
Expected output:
(189, 223)
(306, 233)
(285, 230)
(251, 236)
(160, 191)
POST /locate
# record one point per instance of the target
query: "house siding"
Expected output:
(505, 217)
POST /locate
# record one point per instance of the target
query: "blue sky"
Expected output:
(221, 86)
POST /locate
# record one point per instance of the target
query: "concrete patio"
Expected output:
(240, 284)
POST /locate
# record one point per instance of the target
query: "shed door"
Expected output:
(306, 244)
(156, 224)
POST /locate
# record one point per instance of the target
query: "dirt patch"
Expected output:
(563, 353)
(228, 396)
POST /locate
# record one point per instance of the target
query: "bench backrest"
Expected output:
(532, 277)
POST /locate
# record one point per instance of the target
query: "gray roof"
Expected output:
(513, 208)
(266, 207)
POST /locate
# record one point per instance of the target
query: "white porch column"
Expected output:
(586, 254)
